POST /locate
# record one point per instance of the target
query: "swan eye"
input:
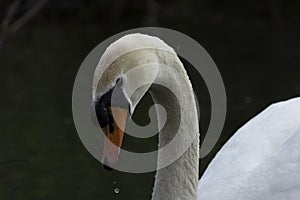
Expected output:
(120, 82)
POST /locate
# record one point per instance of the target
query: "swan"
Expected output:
(260, 161)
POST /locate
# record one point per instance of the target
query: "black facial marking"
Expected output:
(111, 123)
(101, 113)
(114, 97)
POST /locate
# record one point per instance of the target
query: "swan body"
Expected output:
(261, 161)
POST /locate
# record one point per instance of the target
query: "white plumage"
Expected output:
(261, 161)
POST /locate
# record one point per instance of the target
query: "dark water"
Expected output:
(41, 155)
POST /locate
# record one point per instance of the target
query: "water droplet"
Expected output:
(117, 190)
(114, 182)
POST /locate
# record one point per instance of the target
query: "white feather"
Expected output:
(260, 161)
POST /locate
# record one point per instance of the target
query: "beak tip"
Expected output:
(106, 166)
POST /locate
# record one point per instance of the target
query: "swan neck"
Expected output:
(179, 179)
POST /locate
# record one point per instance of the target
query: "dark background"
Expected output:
(255, 44)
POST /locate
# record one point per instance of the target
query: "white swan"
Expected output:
(261, 161)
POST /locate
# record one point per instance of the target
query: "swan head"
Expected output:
(112, 110)
(123, 75)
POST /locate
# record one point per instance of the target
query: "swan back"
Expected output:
(261, 160)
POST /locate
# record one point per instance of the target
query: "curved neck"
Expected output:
(179, 180)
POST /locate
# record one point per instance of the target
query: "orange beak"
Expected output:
(113, 140)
